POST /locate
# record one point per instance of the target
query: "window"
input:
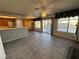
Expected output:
(72, 24)
(62, 24)
(67, 24)
(47, 25)
(37, 24)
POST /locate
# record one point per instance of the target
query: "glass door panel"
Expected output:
(47, 25)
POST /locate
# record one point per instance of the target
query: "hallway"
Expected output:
(38, 46)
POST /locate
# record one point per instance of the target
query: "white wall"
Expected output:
(2, 52)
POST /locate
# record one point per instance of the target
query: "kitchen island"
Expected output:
(9, 34)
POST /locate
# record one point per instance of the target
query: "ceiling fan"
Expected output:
(41, 11)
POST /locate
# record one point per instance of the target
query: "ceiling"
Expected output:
(26, 7)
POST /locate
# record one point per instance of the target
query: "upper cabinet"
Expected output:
(5, 22)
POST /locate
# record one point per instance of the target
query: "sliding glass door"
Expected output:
(37, 24)
(47, 25)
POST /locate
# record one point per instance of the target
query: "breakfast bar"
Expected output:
(9, 34)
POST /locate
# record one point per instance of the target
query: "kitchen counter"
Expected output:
(7, 28)
(9, 34)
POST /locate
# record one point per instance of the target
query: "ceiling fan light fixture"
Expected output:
(44, 14)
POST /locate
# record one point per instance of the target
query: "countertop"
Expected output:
(6, 28)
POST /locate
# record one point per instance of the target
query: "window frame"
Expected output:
(39, 26)
(67, 26)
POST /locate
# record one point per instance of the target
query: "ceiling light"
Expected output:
(7, 17)
(30, 17)
(44, 14)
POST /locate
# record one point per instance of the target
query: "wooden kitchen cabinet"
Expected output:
(4, 22)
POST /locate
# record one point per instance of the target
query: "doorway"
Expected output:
(47, 26)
